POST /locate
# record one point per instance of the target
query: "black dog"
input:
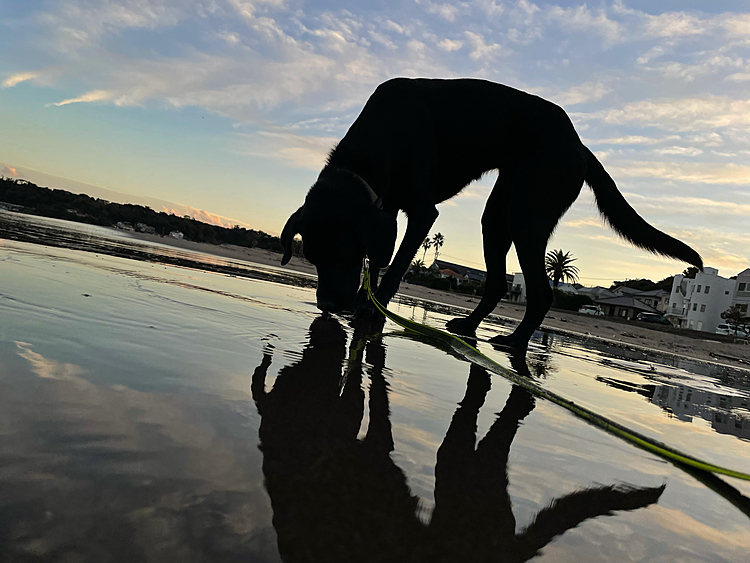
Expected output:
(419, 142)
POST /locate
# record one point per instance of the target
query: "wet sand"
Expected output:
(632, 334)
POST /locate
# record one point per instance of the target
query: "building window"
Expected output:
(703, 308)
(623, 312)
(700, 325)
(699, 288)
(743, 308)
(695, 306)
(674, 305)
(707, 288)
(742, 286)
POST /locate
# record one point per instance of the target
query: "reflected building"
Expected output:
(727, 414)
(686, 403)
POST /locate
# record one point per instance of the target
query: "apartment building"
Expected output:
(741, 294)
(698, 303)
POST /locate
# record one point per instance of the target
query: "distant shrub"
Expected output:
(570, 301)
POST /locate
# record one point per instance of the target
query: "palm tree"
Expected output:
(426, 245)
(438, 241)
(417, 266)
(559, 266)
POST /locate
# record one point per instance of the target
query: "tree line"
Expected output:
(82, 208)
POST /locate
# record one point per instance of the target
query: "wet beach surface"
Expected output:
(166, 405)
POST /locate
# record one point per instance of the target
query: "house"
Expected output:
(597, 292)
(469, 274)
(698, 303)
(452, 274)
(657, 298)
(624, 306)
(144, 228)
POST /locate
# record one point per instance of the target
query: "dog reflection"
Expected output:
(339, 498)
(334, 497)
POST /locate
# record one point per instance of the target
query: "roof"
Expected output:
(472, 273)
(451, 273)
(626, 301)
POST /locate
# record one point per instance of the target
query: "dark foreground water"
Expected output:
(153, 412)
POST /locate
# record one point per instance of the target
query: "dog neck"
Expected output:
(377, 200)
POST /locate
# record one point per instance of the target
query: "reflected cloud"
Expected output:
(45, 368)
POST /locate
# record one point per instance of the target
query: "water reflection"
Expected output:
(338, 498)
(726, 413)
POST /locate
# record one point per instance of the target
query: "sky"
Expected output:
(227, 108)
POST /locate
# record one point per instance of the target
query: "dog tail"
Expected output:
(627, 223)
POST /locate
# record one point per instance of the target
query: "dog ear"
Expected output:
(379, 235)
(287, 235)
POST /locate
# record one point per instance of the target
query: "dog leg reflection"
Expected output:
(473, 518)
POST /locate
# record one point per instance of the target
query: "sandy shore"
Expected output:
(633, 334)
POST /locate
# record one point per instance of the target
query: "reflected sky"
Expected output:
(154, 413)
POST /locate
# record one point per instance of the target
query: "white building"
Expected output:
(741, 294)
(517, 289)
(698, 303)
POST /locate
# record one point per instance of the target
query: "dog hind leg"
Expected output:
(536, 205)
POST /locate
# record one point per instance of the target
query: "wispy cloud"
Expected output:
(302, 151)
(93, 96)
(700, 172)
(17, 78)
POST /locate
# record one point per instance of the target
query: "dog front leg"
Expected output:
(417, 229)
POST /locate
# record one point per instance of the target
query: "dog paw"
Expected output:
(510, 341)
(461, 325)
(369, 313)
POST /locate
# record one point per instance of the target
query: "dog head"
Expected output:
(341, 222)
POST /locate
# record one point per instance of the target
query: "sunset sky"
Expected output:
(230, 106)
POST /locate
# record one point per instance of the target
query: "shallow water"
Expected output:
(160, 412)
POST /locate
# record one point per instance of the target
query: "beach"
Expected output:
(696, 345)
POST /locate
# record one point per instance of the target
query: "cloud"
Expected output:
(446, 11)
(632, 140)
(684, 151)
(586, 92)
(699, 172)
(8, 170)
(93, 96)
(480, 48)
(681, 114)
(450, 45)
(304, 152)
(673, 24)
(688, 205)
(17, 78)
(581, 18)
